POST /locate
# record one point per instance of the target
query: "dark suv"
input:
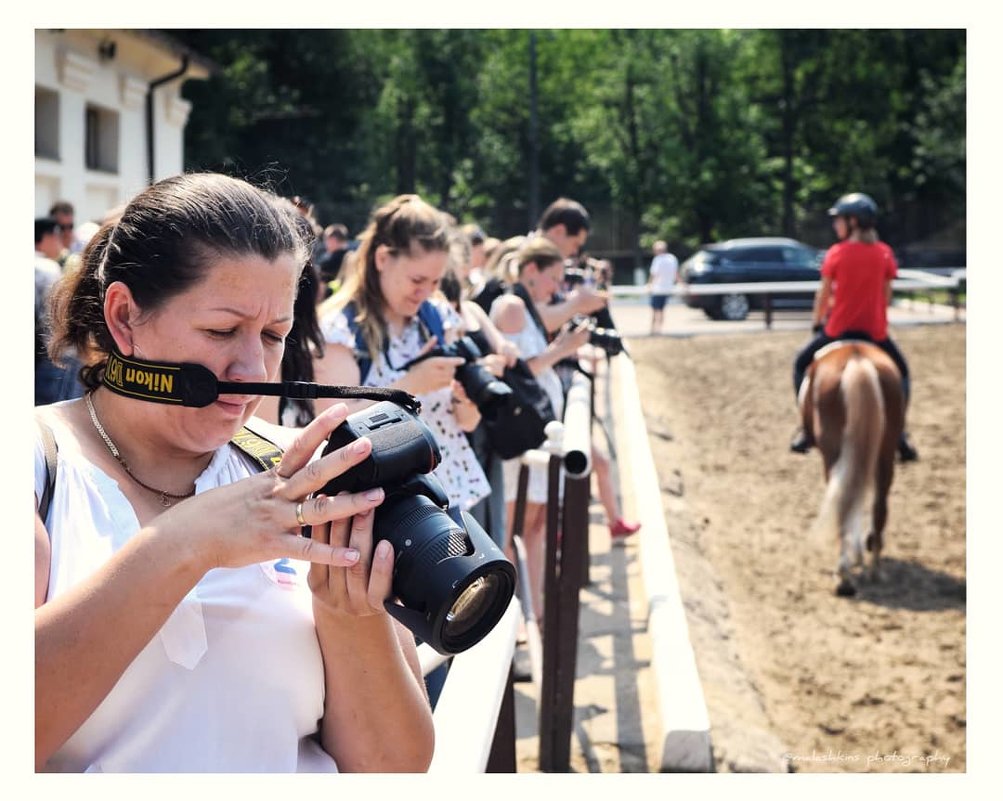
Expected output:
(743, 261)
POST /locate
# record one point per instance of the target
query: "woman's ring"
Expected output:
(299, 514)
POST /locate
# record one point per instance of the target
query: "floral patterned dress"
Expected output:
(459, 471)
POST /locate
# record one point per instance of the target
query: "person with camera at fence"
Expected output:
(385, 328)
(852, 300)
(605, 340)
(495, 353)
(182, 624)
(540, 271)
(53, 381)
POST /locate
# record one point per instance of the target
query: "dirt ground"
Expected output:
(795, 677)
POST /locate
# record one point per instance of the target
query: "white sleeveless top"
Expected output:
(531, 342)
(232, 682)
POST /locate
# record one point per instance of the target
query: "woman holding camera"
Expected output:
(181, 621)
(540, 274)
(384, 319)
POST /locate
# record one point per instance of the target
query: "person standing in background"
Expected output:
(662, 276)
(62, 212)
(53, 382)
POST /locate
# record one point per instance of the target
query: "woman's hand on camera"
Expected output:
(586, 300)
(259, 518)
(494, 363)
(510, 351)
(428, 375)
(569, 340)
(467, 415)
(357, 590)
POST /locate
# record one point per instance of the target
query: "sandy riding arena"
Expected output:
(795, 677)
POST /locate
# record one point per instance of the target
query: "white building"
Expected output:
(109, 116)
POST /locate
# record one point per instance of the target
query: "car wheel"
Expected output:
(734, 306)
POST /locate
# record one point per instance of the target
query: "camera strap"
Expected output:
(520, 292)
(428, 317)
(194, 385)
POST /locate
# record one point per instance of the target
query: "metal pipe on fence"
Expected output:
(578, 428)
(567, 539)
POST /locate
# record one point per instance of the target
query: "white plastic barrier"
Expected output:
(685, 724)
(466, 714)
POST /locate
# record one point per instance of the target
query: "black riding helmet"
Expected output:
(858, 205)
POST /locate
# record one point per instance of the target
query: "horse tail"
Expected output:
(846, 505)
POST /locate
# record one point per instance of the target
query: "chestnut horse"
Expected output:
(852, 403)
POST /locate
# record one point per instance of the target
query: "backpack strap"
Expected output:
(429, 315)
(263, 452)
(361, 349)
(51, 460)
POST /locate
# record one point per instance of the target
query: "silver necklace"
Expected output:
(166, 498)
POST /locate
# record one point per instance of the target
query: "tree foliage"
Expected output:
(685, 135)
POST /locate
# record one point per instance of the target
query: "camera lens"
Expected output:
(470, 607)
(488, 394)
(450, 575)
(451, 582)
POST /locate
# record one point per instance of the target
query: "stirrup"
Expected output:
(907, 453)
(801, 443)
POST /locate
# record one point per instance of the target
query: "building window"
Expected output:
(46, 123)
(101, 139)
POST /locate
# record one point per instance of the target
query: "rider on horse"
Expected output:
(853, 298)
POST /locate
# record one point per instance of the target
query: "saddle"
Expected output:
(842, 342)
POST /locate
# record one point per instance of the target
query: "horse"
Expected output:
(852, 404)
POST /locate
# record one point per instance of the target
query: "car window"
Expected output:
(800, 257)
(762, 254)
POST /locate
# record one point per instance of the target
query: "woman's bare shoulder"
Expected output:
(508, 314)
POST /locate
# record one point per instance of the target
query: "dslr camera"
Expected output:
(488, 393)
(451, 582)
(607, 339)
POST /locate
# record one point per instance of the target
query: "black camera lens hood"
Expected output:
(194, 385)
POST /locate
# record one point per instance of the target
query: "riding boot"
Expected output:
(907, 453)
(802, 442)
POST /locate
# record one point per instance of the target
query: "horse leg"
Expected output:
(883, 483)
(845, 587)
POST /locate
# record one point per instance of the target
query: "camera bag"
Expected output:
(519, 425)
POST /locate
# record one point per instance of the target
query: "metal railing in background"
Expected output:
(565, 574)
(474, 717)
(954, 283)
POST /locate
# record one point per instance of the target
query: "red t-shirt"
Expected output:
(859, 271)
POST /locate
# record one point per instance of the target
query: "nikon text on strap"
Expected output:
(194, 385)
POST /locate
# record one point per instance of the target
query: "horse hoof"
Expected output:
(845, 589)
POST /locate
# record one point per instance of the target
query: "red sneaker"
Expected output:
(621, 528)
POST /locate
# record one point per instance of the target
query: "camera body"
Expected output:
(487, 393)
(451, 583)
(607, 339)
